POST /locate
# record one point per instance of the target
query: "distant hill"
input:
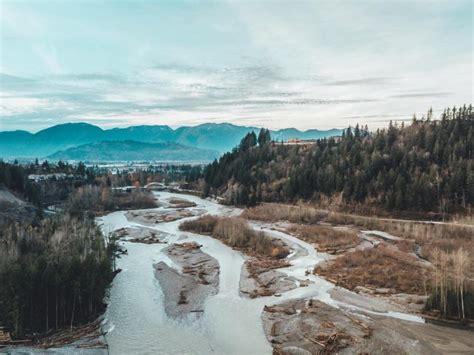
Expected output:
(221, 137)
(133, 151)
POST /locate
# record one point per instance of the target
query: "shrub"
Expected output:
(236, 233)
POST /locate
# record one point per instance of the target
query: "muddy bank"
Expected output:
(187, 280)
(152, 217)
(261, 277)
(141, 235)
(313, 327)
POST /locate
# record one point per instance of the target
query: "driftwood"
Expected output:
(147, 240)
(314, 341)
(64, 337)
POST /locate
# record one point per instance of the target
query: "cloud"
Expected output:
(361, 81)
(306, 64)
(186, 94)
(421, 94)
(12, 106)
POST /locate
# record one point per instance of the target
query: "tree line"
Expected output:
(15, 177)
(427, 165)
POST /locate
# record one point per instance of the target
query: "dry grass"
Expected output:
(202, 225)
(420, 231)
(304, 214)
(379, 267)
(236, 233)
(469, 219)
(327, 238)
(181, 203)
(405, 245)
(273, 212)
(447, 237)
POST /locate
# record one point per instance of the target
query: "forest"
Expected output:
(53, 274)
(54, 269)
(426, 166)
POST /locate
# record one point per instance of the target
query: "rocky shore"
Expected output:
(260, 278)
(306, 327)
(192, 277)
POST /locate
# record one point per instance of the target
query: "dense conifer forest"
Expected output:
(53, 274)
(427, 165)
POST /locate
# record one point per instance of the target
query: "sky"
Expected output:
(304, 64)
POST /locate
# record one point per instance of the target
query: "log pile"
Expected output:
(312, 327)
(89, 333)
(146, 240)
(4, 336)
(256, 266)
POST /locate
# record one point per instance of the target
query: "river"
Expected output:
(135, 320)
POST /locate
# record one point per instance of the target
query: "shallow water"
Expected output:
(135, 317)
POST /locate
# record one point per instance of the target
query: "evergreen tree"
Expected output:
(425, 165)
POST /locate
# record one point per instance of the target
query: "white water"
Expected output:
(231, 324)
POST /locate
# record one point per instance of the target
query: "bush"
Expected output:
(236, 233)
(201, 225)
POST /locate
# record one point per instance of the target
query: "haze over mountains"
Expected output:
(208, 141)
(133, 151)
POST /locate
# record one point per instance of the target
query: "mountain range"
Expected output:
(217, 137)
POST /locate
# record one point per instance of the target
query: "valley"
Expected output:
(283, 248)
(159, 303)
(240, 177)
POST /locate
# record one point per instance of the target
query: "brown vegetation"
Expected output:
(380, 267)
(327, 238)
(447, 237)
(392, 264)
(202, 225)
(429, 236)
(236, 233)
